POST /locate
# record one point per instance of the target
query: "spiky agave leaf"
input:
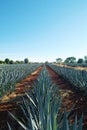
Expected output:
(80, 123)
(30, 113)
(65, 125)
(9, 127)
(19, 122)
(75, 123)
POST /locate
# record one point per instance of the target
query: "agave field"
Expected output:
(78, 78)
(10, 74)
(41, 107)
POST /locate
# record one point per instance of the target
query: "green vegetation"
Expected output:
(11, 74)
(78, 78)
(71, 61)
(40, 108)
(85, 59)
(9, 61)
(26, 61)
(59, 60)
(80, 60)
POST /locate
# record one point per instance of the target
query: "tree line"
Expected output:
(8, 61)
(72, 59)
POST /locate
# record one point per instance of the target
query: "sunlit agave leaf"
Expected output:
(54, 122)
(34, 126)
(25, 113)
(48, 121)
(19, 122)
(30, 111)
(53, 115)
(31, 99)
(33, 111)
(9, 126)
(26, 107)
(41, 118)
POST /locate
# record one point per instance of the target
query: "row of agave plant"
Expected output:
(77, 64)
(78, 78)
(41, 106)
(10, 74)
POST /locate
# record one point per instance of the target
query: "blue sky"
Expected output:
(43, 30)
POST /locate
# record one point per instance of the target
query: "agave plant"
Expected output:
(11, 74)
(78, 78)
(40, 108)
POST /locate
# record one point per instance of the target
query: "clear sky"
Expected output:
(43, 30)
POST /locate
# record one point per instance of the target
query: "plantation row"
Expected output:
(11, 74)
(40, 108)
(76, 64)
(78, 78)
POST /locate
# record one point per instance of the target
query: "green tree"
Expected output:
(80, 60)
(11, 62)
(70, 60)
(7, 61)
(26, 61)
(1, 62)
(59, 60)
(85, 59)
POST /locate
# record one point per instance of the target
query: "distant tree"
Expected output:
(46, 62)
(70, 60)
(17, 62)
(7, 61)
(1, 62)
(26, 61)
(11, 62)
(21, 62)
(80, 60)
(85, 59)
(59, 60)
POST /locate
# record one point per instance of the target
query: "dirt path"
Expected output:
(10, 102)
(70, 99)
